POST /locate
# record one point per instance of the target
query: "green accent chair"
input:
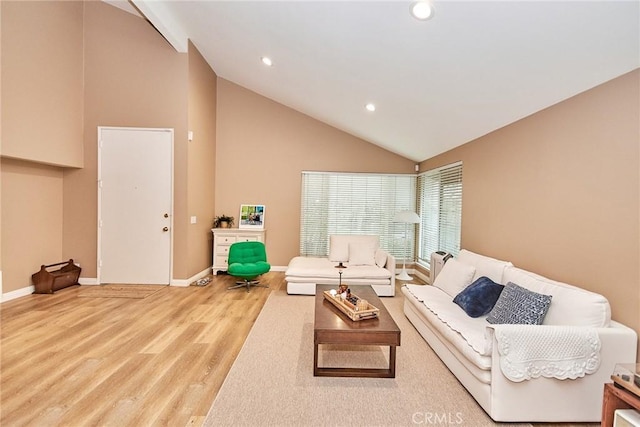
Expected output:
(247, 261)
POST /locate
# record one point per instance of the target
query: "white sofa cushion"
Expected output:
(381, 258)
(454, 277)
(362, 253)
(466, 333)
(570, 306)
(339, 245)
(485, 266)
(313, 268)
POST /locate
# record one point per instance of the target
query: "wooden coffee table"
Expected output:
(331, 326)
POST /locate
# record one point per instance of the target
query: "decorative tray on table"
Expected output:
(627, 375)
(360, 311)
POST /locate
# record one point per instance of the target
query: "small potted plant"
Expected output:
(223, 221)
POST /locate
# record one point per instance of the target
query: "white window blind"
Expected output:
(354, 203)
(440, 192)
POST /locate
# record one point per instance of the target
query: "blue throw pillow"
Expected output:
(518, 305)
(478, 298)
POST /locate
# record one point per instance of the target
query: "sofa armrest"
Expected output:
(391, 266)
(618, 344)
(562, 400)
(529, 351)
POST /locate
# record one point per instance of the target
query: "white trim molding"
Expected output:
(18, 293)
(420, 275)
(190, 280)
(92, 281)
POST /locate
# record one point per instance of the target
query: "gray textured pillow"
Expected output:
(518, 305)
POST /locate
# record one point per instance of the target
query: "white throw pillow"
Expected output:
(454, 277)
(381, 258)
(338, 248)
(485, 266)
(571, 305)
(339, 245)
(362, 253)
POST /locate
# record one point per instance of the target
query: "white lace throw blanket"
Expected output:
(531, 351)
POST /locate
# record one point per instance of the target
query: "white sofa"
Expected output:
(366, 264)
(567, 359)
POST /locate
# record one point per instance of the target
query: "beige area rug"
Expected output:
(272, 383)
(118, 291)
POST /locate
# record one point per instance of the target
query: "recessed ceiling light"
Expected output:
(370, 107)
(422, 10)
(266, 61)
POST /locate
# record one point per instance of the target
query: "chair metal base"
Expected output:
(247, 283)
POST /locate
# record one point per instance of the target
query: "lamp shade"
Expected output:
(408, 217)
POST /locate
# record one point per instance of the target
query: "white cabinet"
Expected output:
(626, 418)
(223, 238)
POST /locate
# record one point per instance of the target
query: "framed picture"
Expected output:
(251, 216)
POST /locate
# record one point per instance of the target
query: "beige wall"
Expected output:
(42, 81)
(1, 286)
(133, 78)
(201, 163)
(32, 218)
(263, 146)
(558, 193)
(41, 122)
(128, 76)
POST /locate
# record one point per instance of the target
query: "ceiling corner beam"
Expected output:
(160, 17)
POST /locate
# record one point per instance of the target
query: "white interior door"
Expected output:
(135, 168)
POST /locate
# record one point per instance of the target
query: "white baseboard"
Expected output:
(421, 276)
(92, 281)
(174, 282)
(190, 280)
(29, 289)
(18, 293)
(281, 268)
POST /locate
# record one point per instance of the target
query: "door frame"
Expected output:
(99, 187)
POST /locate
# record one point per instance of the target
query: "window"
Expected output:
(354, 203)
(440, 192)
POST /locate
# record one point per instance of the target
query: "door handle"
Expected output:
(165, 229)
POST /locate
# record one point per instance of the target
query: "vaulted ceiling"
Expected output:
(472, 68)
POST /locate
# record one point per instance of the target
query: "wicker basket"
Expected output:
(47, 282)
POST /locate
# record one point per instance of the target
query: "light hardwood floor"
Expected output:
(67, 360)
(158, 361)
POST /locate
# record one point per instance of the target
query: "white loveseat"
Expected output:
(568, 358)
(366, 264)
